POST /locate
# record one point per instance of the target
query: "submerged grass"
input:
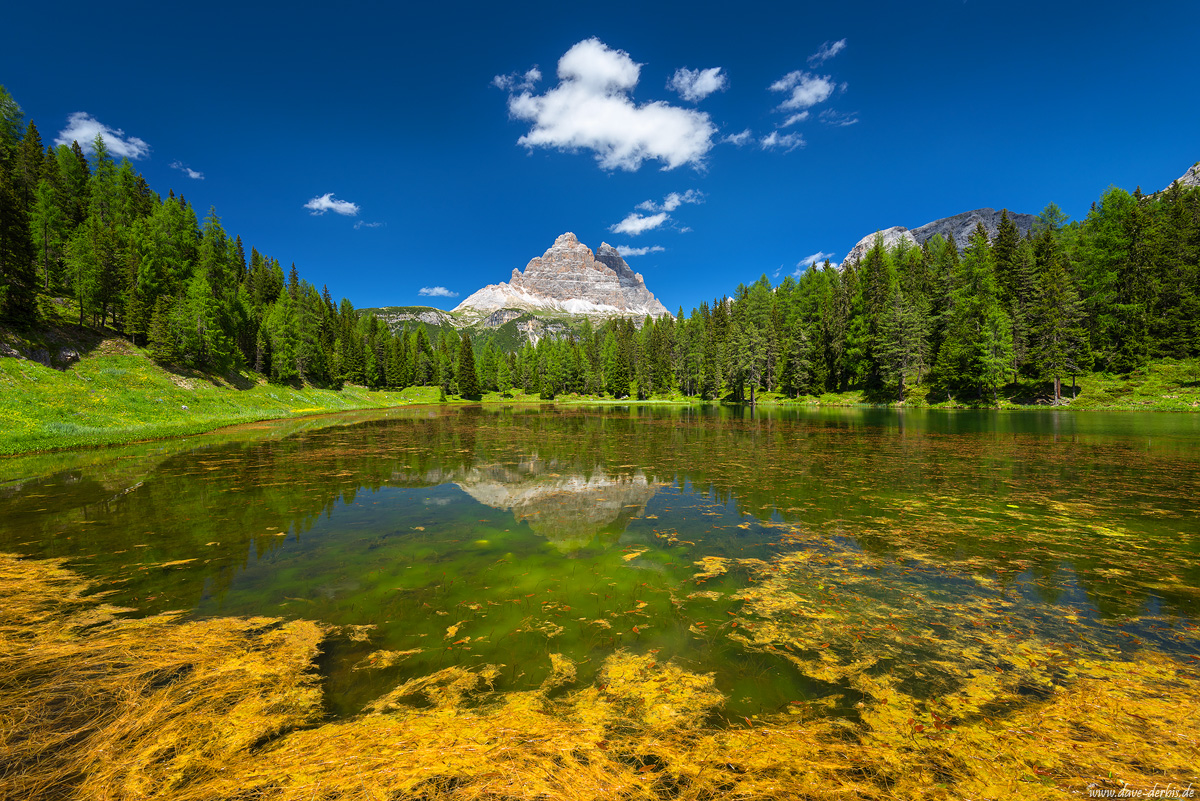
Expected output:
(95, 704)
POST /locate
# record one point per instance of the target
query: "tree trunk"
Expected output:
(752, 396)
(1057, 390)
(900, 393)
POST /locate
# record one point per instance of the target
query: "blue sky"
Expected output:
(386, 148)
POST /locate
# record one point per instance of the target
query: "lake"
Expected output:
(788, 552)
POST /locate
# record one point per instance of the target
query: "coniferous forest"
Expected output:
(1107, 293)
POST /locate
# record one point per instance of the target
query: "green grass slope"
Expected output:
(115, 393)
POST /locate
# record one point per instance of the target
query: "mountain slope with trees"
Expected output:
(1109, 293)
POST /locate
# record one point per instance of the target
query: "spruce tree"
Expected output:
(616, 367)
(18, 277)
(1059, 341)
(1004, 256)
(976, 354)
(163, 347)
(468, 381)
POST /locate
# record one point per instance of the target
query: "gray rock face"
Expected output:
(570, 278)
(960, 226)
(891, 237)
(1190, 178)
(957, 228)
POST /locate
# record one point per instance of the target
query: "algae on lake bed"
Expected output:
(617, 603)
(96, 705)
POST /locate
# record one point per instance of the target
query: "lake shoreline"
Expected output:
(115, 394)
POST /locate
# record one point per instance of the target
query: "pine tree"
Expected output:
(504, 375)
(616, 366)
(12, 120)
(163, 347)
(1004, 256)
(977, 352)
(1059, 341)
(468, 381)
(48, 229)
(18, 277)
(904, 338)
(27, 167)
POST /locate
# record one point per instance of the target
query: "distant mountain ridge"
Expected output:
(570, 279)
(957, 228)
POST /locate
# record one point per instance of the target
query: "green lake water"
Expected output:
(925, 544)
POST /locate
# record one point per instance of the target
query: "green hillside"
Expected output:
(98, 389)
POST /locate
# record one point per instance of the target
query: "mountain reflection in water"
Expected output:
(770, 550)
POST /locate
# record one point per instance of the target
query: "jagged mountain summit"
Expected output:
(571, 279)
(958, 228)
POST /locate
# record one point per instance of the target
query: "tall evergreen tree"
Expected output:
(468, 380)
(977, 352)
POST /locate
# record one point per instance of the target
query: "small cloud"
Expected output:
(784, 142)
(695, 85)
(518, 81)
(186, 170)
(436, 292)
(635, 223)
(826, 52)
(672, 201)
(795, 118)
(83, 127)
(838, 118)
(804, 88)
(327, 202)
(808, 261)
(739, 139)
(590, 109)
(365, 224)
(626, 250)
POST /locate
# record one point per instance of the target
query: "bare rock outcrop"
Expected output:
(570, 278)
(1190, 178)
(891, 237)
(957, 228)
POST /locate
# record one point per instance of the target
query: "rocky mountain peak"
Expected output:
(570, 278)
(957, 229)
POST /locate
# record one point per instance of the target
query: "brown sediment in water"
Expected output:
(96, 705)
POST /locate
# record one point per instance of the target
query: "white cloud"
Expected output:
(186, 170)
(672, 201)
(83, 127)
(826, 52)
(635, 223)
(739, 139)
(805, 89)
(695, 85)
(795, 118)
(809, 261)
(327, 202)
(521, 82)
(591, 109)
(436, 292)
(365, 224)
(626, 250)
(784, 142)
(838, 118)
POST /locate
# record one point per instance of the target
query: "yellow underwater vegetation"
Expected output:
(98, 705)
